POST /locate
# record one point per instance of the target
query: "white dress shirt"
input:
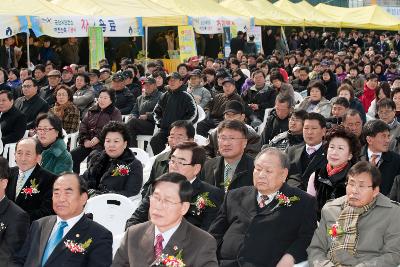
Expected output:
(370, 153)
(316, 147)
(71, 222)
(270, 197)
(166, 235)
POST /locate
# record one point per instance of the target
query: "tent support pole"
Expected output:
(146, 39)
(28, 56)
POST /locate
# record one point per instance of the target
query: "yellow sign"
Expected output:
(187, 44)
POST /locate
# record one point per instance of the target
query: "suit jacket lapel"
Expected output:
(249, 202)
(4, 205)
(297, 155)
(147, 244)
(319, 155)
(34, 175)
(273, 206)
(219, 173)
(240, 170)
(45, 234)
(79, 228)
(196, 187)
(176, 242)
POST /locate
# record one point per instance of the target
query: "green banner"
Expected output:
(96, 46)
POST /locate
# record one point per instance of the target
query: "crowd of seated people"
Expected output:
(301, 159)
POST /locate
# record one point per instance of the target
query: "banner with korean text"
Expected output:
(78, 26)
(212, 25)
(96, 47)
(187, 44)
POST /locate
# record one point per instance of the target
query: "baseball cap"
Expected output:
(234, 106)
(68, 68)
(196, 72)
(174, 75)
(105, 70)
(150, 80)
(54, 73)
(127, 74)
(118, 77)
(194, 59)
(228, 80)
(94, 72)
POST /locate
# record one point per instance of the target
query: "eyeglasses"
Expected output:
(27, 85)
(358, 187)
(46, 130)
(165, 203)
(229, 139)
(180, 138)
(178, 163)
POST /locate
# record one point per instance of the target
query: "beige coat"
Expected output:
(379, 236)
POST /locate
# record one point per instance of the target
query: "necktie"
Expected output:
(158, 247)
(228, 168)
(263, 200)
(20, 184)
(53, 241)
(310, 150)
(373, 159)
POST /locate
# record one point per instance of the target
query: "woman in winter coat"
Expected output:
(55, 156)
(315, 101)
(114, 169)
(329, 80)
(347, 91)
(92, 124)
(329, 182)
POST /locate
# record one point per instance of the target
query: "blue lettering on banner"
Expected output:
(103, 25)
(112, 25)
(9, 31)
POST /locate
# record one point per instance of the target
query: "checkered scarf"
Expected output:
(347, 221)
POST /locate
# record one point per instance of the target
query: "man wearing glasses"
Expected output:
(360, 228)
(180, 131)
(188, 159)
(30, 185)
(377, 152)
(31, 104)
(234, 168)
(167, 233)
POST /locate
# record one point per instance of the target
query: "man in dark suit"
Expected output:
(180, 131)
(268, 224)
(306, 158)
(14, 222)
(187, 159)
(376, 151)
(31, 104)
(167, 232)
(233, 169)
(51, 240)
(12, 121)
(234, 110)
(30, 185)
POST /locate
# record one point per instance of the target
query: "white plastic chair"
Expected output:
(72, 138)
(200, 140)
(141, 155)
(146, 138)
(112, 211)
(298, 98)
(262, 125)
(9, 153)
(302, 264)
(125, 118)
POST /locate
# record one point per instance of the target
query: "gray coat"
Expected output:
(379, 236)
(324, 107)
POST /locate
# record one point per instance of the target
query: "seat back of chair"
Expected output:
(111, 210)
(141, 155)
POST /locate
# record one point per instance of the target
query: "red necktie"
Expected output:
(263, 199)
(373, 159)
(158, 247)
